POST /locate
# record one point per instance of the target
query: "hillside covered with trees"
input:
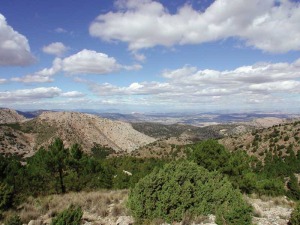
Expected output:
(59, 170)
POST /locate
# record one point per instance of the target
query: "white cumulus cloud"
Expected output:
(40, 94)
(30, 94)
(89, 62)
(56, 48)
(269, 25)
(83, 62)
(42, 76)
(14, 47)
(72, 94)
(260, 83)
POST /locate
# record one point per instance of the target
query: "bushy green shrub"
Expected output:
(70, 216)
(182, 188)
(209, 154)
(295, 216)
(13, 220)
(234, 213)
(293, 188)
(6, 196)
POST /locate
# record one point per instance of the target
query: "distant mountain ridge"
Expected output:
(32, 114)
(200, 119)
(22, 136)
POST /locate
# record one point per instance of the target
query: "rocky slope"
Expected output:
(15, 142)
(278, 139)
(266, 122)
(192, 133)
(10, 116)
(85, 129)
(89, 129)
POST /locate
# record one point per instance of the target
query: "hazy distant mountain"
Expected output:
(195, 119)
(33, 114)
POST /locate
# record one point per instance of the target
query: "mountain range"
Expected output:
(22, 133)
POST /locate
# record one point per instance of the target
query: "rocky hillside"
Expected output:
(192, 133)
(14, 141)
(266, 122)
(87, 128)
(10, 116)
(71, 127)
(279, 139)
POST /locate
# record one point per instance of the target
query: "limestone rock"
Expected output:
(125, 220)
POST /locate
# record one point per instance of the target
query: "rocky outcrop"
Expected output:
(10, 116)
(125, 220)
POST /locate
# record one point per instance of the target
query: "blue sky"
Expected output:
(150, 56)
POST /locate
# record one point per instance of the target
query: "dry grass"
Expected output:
(257, 212)
(101, 203)
(273, 201)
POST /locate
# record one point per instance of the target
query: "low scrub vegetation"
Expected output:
(13, 220)
(248, 173)
(70, 216)
(295, 216)
(154, 183)
(103, 203)
(184, 188)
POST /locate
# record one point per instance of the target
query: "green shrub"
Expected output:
(6, 196)
(295, 216)
(101, 152)
(293, 188)
(235, 213)
(70, 216)
(286, 138)
(184, 188)
(13, 220)
(209, 154)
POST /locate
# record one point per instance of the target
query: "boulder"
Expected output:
(35, 222)
(125, 220)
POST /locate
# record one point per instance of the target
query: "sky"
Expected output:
(150, 56)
